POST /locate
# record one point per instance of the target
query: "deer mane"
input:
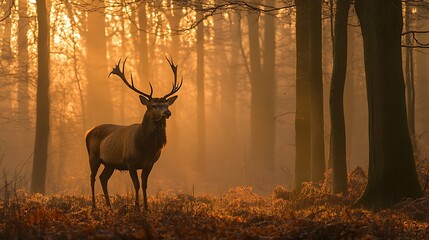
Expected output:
(151, 136)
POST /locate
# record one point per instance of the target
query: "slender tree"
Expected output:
(316, 90)
(409, 74)
(268, 71)
(23, 66)
(200, 93)
(392, 171)
(142, 47)
(256, 120)
(6, 50)
(302, 116)
(336, 98)
(42, 100)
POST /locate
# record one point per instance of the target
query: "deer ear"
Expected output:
(144, 100)
(171, 100)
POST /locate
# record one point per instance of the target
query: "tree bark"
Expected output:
(392, 172)
(316, 91)
(268, 71)
(200, 96)
(302, 116)
(143, 44)
(409, 75)
(42, 101)
(256, 102)
(6, 50)
(336, 99)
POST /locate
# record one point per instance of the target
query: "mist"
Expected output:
(87, 41)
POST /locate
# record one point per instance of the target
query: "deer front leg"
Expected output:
(104, 178)
(134, 177)
(145, 175)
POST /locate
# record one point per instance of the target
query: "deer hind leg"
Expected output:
(134, 177)
(104, 178)
(94, 165)
(145, 176)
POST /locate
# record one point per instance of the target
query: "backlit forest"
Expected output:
(293, 119)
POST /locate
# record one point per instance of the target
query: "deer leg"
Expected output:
(104, 178)
(133, 174)
(94, 165)
(145, 175)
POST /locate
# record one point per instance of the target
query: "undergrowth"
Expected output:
(237, 214)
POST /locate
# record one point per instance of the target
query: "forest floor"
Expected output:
(237, 214)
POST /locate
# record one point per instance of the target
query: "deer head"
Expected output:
(157, 107)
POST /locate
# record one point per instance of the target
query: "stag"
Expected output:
(133, 147)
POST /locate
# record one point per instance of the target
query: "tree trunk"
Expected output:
(200, 96)
(392, 173)
(174, 17)
(42, 101)
(409, 74)
(6, 50)
(316, 91)
(255, 174)
(143, 44)
(23, 97)
(336, 99)
(227, 42)
(99, 100)
(268, 71)
(302, 116)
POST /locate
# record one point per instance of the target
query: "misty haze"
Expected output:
(291, 119)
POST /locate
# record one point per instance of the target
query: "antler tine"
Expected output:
(117, 71)
(176, 86)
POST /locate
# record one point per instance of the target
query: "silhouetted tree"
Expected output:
(316, 91)
(409, 74)
(268, 71)
(142, 48)
(200, 95)
(42, 100)
(256, 120)
(6, 50)
(302, 88)
(23, 66)
(336, 98)
(392, 172)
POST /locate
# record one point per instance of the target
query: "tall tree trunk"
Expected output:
(409, 74)
(42, 101)
(200, 95)
(6, 50)
(23, 97)
(302, 115)
(145, 69)
(316, 91)
(336, 99)
(174, 17)
(99, 100)
(268, 71)
(255, 174)
(227, 79)
(392, 172)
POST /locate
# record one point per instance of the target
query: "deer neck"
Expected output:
(151, 134)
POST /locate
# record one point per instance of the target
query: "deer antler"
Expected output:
(117, 71)
(176, 86)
